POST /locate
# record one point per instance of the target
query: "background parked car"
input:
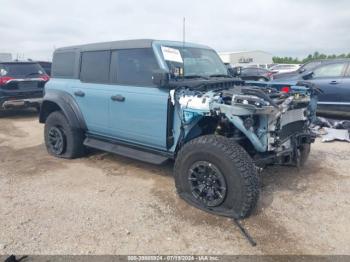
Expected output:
(284, 68)
(256, 74)
(333, 79)
(21, 84)
(307, 67)
(46, 66)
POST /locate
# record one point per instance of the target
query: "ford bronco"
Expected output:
(158, 100)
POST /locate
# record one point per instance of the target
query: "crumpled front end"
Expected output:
(272, 126)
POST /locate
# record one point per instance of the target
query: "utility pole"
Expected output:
(184, 30)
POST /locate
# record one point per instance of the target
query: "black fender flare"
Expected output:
(61, 100)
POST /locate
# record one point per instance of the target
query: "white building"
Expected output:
(247, 58)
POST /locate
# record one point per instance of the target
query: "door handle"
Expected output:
(118, 98)
(334, 82)
(79, 93)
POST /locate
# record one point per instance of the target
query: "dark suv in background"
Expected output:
(256, 74)
(21, 84)
(46, 66)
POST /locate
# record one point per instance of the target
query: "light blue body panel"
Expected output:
(140, 119)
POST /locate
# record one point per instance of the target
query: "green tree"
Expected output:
(315, 56)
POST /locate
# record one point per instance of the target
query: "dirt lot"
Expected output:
(106, 204)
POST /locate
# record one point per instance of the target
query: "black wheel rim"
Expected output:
(207, 183)
(56, 140)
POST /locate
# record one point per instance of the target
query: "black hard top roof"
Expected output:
(123, 44)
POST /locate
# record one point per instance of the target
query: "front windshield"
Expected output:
(193, 62)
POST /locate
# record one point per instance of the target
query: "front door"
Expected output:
(330, 79)
(137, 109)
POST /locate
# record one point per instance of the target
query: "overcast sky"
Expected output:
(281, 27)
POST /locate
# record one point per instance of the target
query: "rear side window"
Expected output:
(63, 65)
(249, 71)
(262, 71)
(331, 70)
(348, 71)
(95, 66)
(133, 66)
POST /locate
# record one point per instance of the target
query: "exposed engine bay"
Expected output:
(271, 125)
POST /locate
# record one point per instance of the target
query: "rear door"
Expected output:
(93, 90)
(137, 108)
(335, 91)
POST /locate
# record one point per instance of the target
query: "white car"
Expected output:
(284, 68)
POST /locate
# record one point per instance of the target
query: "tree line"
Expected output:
(315, 56)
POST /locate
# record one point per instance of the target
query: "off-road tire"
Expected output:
(237, 167)
(73, 138)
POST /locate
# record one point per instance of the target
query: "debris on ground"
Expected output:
(330, 129)
(335, 134)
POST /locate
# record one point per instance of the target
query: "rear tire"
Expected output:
(61, 139)
(217, 175)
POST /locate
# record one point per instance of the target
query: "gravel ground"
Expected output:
(106, 204)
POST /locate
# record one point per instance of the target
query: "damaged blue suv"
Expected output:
(159, 100)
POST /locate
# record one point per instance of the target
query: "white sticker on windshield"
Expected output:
(171, 54)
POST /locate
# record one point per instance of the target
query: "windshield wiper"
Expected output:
(220, 75)
(195, 76)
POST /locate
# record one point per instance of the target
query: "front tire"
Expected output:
(217, 175)
(61, 139)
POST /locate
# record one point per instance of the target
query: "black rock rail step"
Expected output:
(124, 150)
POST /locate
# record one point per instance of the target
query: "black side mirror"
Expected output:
(308, 75)
(231, 72)
(234, 71)
(160, 78)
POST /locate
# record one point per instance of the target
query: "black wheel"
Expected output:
(61, 139)
(217, 175)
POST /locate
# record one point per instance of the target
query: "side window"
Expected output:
(63, 64)
(348, 71)
(133, 66)
(331, 70)
(248, 71)
(95, 66)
